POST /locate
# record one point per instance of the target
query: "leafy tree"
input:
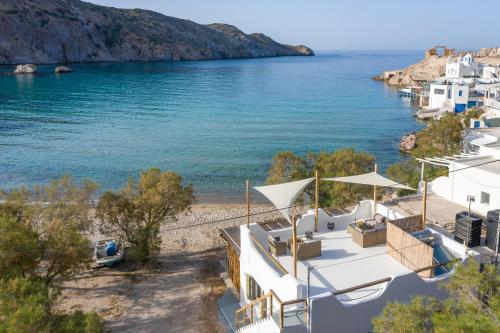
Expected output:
(441, 137)
(137, 211)
(50, 241)
(343, 162)
(26, 305)
(78, 322)
(286, 167)
(64, 200)
(66, 250)
(406, 171)
(405, 318)
(20, 248)
(473, 306)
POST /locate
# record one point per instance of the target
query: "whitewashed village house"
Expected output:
(317, 272)
(463, 86)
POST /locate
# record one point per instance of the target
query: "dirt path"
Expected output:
(179, 296)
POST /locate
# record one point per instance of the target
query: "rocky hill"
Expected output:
(57, 31)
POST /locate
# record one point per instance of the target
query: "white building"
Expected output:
(474, 174)
(336, 277)
(453, 95)
(463, 86)
(465, 67)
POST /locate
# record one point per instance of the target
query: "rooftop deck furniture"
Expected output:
(276, 246)
(375, 235)
(306, 248)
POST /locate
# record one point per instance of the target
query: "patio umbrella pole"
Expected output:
(375, 194)
(294, 244)
(424, 204)
(248, 201)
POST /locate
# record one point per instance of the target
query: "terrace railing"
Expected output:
(285, 314)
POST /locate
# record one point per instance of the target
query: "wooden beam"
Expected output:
(294, 242)
(248, 201)
(375, 194)
(361, 286)
(316, 202)
(424, 204)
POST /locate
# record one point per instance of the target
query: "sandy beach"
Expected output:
(180, 293)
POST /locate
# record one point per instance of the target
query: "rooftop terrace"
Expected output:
(344, 264)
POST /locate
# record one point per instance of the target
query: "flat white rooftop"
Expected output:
(344, 264)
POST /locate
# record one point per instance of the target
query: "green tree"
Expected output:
(473, 306)
(66, 201)
(441, 137)
(78, 322)
(52, 223)
(343, 162)
(66, 250)
(26, 305)
(20, 248)
(137, 212)
(286, 167)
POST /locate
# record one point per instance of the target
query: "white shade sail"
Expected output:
(283, 195)
(371, 178)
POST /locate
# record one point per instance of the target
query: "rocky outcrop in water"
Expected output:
(61, 31)
(63, 70)
(408, 143)
(26, 69)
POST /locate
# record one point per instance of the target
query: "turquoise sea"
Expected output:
(215, 122)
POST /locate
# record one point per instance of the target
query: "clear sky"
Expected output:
(346, 24)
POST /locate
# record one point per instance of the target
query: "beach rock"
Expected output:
(63, 69)
(26, 69)
(408, 143)
(66, 31)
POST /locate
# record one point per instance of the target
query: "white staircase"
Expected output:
(266, 325)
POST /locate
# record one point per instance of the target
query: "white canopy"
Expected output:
(371, 178)
(284, 195)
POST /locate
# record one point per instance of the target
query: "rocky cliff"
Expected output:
(57, 31)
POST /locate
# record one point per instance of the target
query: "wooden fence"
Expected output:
(408, 250)
(409, 224)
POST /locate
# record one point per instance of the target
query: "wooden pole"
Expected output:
(375, 194)
(424, 204)
(248, 201)
(316, 202)
(294, 244)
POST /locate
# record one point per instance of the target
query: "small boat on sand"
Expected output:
(108, 252)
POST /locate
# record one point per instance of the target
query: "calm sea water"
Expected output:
(215, 122)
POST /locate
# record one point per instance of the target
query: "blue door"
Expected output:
(460, 107)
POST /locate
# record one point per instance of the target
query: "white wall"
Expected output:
(458, 185)
(455, 94)
(254, 262)
(438, 100)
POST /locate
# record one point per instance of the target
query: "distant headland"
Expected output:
(66, 31)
